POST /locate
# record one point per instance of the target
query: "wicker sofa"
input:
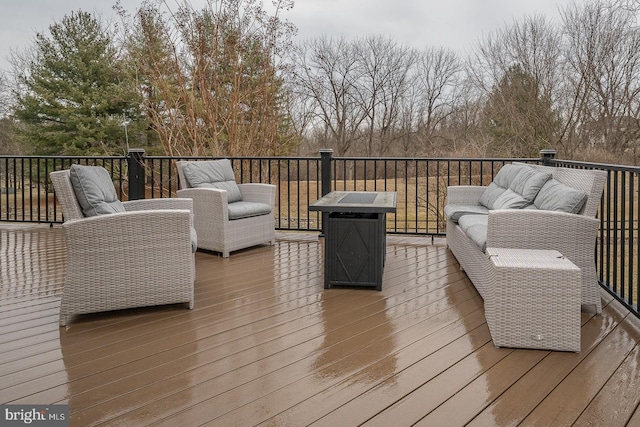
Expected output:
(528, 207)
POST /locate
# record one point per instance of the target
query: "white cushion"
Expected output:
(510, 200)
(515, 186)
(491, 194)
(529, 182)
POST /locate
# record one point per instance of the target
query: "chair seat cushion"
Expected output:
(94, 190)
(454, 212)
(475, 227)
(213, 174)
(238, 210)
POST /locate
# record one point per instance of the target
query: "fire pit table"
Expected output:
(355, 232)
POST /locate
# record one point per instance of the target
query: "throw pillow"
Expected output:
(529, 182)
(510, 200)
(499, 185)
(491, 194)
(556, 196)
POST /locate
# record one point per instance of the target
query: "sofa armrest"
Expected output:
(260, 193)
(538, 229)
(155, 204)
(465, 194)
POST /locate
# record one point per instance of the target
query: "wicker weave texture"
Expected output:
(574, 235)
(533, 300)
(66, 197)
(132, 259)
(465, 194)
(211, 217)
(472, 260)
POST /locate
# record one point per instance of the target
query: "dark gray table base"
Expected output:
(354, 226)
(355, 247)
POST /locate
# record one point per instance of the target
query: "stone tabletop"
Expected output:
(356, 202)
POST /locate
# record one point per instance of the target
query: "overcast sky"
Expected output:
(457, 24)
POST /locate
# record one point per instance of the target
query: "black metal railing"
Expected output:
(618, 245)
(26, 193)
(421, 183)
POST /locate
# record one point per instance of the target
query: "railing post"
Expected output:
(136, 174)
(548, 154)
(325, 170)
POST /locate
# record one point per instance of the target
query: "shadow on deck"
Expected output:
(266, 344)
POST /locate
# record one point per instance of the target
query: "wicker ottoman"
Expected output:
(533, 300)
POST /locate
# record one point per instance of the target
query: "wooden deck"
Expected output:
(267, 345)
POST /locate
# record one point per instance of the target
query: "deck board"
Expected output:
(267, 345)
(607, 403)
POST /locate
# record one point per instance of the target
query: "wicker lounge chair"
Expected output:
(141, 257)
(227, 216)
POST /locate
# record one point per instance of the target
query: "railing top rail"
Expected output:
(592, 165)
(20, 156)
(232, 157)
(401, 159)
(444, 159)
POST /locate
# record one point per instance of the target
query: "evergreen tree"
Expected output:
(519, 119)
(71, 98)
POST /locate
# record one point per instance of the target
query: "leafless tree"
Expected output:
(385, 72)
(373, 95)
(629, 5)
(528, 50)
(327, 73)
(438, 80)
(211, 79)
(602, 57)
(8, 144)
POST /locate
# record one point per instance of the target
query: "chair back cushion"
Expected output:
(515, 186)
(213, 174)
(94, 190)
(555, 196)
(499, 185)
(528, 183)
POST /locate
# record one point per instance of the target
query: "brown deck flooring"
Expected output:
(266, 345)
